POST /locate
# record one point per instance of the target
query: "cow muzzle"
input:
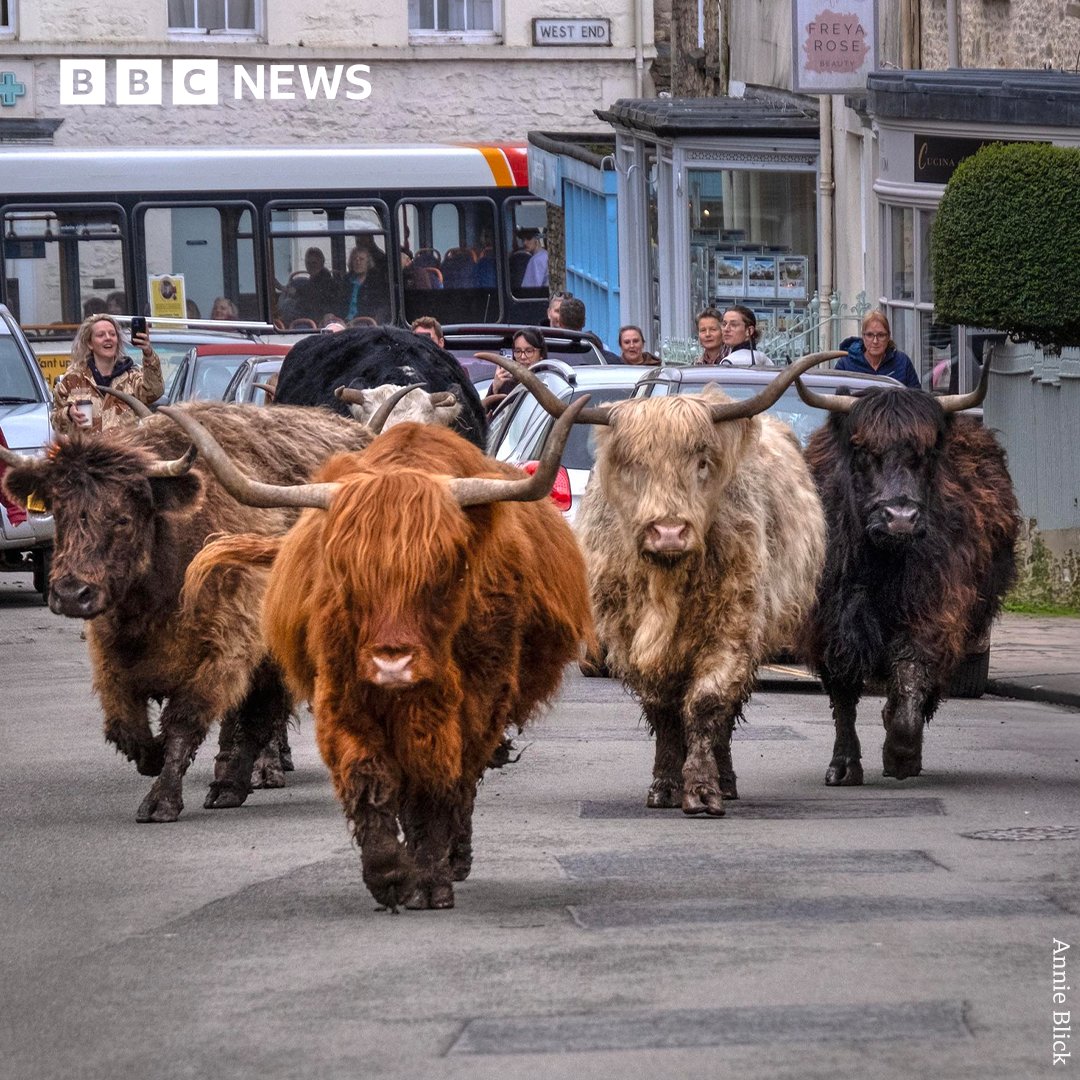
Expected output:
(666, 539)
(897, 521)
(393, 671)
(75, 598)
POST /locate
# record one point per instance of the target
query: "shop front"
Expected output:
(927, 123)
(717, 205)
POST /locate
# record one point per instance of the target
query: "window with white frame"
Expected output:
(473, 19)
(241, 17)
(7, 16)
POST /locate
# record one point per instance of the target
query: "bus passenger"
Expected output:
(224, 309)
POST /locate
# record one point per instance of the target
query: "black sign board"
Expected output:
(24, 249)
(936, 156)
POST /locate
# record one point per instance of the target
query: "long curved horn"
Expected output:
(174, 468)
(443, 399)
(240, 486)
(353, 396)
(9, 457)
(478, 490)
(838, 403)
(955, 402)
(536, 387)
(139, 408)
(739, 410)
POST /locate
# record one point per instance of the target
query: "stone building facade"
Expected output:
(485, 82)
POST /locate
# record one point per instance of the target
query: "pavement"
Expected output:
(1036, 658)
(1032, 658)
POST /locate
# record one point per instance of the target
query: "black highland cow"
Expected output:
(374, 356)
(922, 528)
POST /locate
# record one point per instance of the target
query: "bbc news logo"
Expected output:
(196, 82)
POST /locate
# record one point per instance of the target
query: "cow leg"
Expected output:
(845, 768)
(370, 794)
(708, 726)
(909, 704)
(127, 725)
(262, 713)
(430, 828)
(270, 766)
(666, 790)
(461, 852)
(226, 742)
(725, 769)
(184, 727)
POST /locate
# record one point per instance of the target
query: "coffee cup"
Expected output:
(85, 406)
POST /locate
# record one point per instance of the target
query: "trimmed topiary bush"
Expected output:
(1006, 243)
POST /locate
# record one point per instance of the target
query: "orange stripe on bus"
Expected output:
(497, 163)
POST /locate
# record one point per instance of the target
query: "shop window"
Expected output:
(753, 241)
(241, 17)
(7, 17)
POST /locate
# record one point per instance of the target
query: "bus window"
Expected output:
(525, 223)
(211, 246)
(452, 268)
(63, 264)
(330, 260)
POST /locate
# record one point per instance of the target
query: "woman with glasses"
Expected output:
(529, 346)
(875, 353)
(730, 338)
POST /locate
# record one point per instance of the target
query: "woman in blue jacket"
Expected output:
(875, 353)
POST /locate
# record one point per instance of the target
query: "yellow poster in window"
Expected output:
(167, 296)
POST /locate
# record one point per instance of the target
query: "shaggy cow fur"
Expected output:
(703, 543)
(374, 356)
(903, 605)
(419, 631)
(123, 542)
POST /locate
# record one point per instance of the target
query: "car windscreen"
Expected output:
(16, 383)
(803, 419)
(580, 452)
(212, 375)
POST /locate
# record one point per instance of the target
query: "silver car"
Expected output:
(25, 544)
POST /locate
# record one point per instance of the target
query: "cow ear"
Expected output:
(25, 484)
(176, 492)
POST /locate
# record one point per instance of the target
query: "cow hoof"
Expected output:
(729, 791)
(844, 774)
(390, 877)
(902, 768)
(286, 758)
(431, 898)
(224, 796)
(151, 760)
(461, 862)
(158, 808)
(701, 799)
(268, 772)
(664, 796)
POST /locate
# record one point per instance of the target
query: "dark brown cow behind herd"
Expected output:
(432, 600)
(131, 511)
(922, 528)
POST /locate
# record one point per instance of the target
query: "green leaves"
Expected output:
(1006, 243)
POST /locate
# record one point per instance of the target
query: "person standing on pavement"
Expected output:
(97, 361)
(875, 353)
(739, 331)
(632, 347)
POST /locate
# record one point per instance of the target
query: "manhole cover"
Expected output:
(1028, 832)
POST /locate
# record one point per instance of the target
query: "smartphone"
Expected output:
(138, 325)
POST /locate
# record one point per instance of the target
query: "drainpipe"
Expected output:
(825, 201)
(639, 50)
(952, 22)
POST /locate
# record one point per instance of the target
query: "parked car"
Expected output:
(255, 373)
(206, 369)
(25, 542)
(573, 347)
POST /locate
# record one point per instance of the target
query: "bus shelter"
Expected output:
(717, 205)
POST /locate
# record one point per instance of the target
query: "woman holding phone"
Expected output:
(98, 360)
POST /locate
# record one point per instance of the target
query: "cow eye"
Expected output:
(122, 522)
(703, 467)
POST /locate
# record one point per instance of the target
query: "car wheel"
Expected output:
(970, 678)
(42, 559)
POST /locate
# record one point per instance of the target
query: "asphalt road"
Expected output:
(811, 933)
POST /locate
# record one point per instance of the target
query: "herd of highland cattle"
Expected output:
(354, 548)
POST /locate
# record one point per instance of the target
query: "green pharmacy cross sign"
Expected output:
(10, 89)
